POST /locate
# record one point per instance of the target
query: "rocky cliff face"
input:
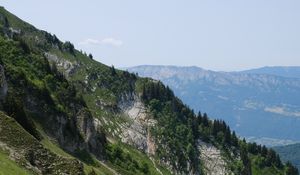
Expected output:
(212, 160)
(3, 83)
(27, 151)
(68, 67)
(73, 132)
(137, 132)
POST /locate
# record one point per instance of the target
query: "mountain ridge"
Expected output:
(284, 71)
(246, 94)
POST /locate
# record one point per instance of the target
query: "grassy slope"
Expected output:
(7, 166)
(141, 157)
(22, 143)
(51, 145)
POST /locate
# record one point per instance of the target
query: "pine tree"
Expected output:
(227, 136)
(234, 140)
(90, 56)
(205, 120)
(291, 170)
(113, 71)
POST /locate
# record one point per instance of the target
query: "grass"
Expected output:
(139, 157)
(9, 127)
(8, 166)
(55, 148)
(91, 165)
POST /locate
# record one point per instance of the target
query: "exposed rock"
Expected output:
(212, 160)
(28, 152)
(151, 144)
(15, 31)
(89, 131)
(73, 133)
(136, 133)
(68, 67)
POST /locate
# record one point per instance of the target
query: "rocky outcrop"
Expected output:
(136, 132)
(91, 134)
(73, 132)
(29, 153)
(78, 133)
(212, 160)
(68, 67)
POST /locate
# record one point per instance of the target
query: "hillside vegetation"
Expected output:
(260, 106)
(65, 113)
(290, 153)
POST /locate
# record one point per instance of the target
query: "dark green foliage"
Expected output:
(177, 128)
(205, 120)
(234, 140)
(92, 172)
(4, 21)
(124, 160)
(183, 127)
(39, 91)
(13, 106)
(68, 47)
(291, 170)
(52, 39)
(290, 153)
(90, 56)
(222, 132)
(270, 158)
(113, 82)
(22, 43)
(84, 156)
(113, 71)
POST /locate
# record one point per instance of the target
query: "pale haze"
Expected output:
(213, 34)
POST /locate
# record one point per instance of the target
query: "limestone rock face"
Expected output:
(212, 160)
(68, 67)
(89, 131)
(136, 132)
(75, 132)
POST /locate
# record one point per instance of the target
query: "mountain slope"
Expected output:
(254, 105)
(83, 117)
(289, 72)
(290, 153)
(23, 147)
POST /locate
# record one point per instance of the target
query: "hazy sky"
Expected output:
(213, 34)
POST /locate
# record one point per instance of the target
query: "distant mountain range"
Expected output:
(289, 72)
(260, 104)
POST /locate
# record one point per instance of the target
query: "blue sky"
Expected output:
(213, 34)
